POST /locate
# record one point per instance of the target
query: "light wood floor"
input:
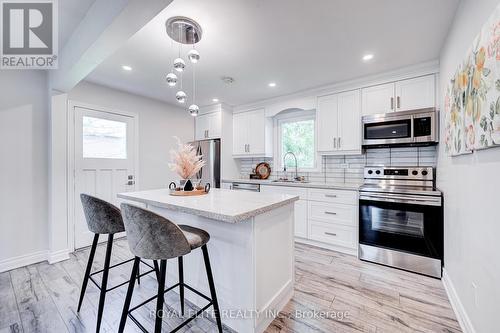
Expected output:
(372, 298)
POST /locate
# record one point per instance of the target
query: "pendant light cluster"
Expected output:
(184, 30)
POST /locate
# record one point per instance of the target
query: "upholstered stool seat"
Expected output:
(151, 236)
(195, 237)
(104, 218)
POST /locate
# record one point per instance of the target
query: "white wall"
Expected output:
(158, 123)
(471, 185)
(23, 165)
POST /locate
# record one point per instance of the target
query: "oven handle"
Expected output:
(403, 199)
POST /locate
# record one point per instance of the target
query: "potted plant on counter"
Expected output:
(186, 163)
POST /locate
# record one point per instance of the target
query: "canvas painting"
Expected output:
(472, 98)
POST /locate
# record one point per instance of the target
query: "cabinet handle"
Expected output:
(392, 103)
(335, 143)
(339, 143)
(330, 233)
(398, 102)
(330, 195)
(331, 213)
(208, 133)
(248, 147)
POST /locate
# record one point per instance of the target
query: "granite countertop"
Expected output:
(219, 204)
(339, 186)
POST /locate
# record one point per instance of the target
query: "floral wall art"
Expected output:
(472, 98)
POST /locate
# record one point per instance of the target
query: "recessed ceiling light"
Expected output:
(272, 84)
(126, 68)
(367, 57)
(215, 100)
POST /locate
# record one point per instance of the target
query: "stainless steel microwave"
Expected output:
(403, 128)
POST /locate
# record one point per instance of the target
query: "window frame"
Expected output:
(294, 116)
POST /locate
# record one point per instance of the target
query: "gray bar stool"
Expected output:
(104, 218)
(151, 236)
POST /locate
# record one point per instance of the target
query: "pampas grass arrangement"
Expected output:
(185, 162)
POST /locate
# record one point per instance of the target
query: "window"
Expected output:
(296, 134)
(104, 138)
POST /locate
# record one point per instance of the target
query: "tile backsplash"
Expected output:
(332, 166)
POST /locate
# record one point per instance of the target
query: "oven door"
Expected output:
(402, 222)
(387, 130)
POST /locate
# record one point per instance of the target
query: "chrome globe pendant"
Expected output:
(181, 97)
(194, 110)
(171, 79)
(194, 56)
(179, 64)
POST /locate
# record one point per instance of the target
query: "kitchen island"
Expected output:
(251, 250)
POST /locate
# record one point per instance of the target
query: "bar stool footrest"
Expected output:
(123, 283)
(184, 323)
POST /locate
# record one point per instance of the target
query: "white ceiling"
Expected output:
(70, 13)
(298, 44)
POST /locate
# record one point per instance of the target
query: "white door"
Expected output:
(256, 135)
(214, 125)
(327, 123)
(104, 162)
(378, 99)
(349, 121)
(240, 130)
(417, 93)
(202, 126)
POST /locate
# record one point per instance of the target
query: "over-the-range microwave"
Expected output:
(402, 128)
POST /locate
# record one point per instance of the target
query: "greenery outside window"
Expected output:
(297, 134)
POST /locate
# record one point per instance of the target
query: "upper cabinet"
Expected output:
(208, 126)
(416, 93)
(252, 134)
(339, 124)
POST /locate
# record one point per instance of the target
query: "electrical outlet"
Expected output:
(474, 290)
(344, 165)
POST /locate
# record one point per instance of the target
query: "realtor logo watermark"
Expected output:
(29, 34)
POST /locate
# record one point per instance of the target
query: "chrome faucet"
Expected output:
(296, 168)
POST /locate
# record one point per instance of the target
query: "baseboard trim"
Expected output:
(24, 260)
(456, 304)
(56, 256)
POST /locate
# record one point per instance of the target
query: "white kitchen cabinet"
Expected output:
(301, 227)
(226, 186)
(339, 124)
(417, 93)
(252, 134)
(208, 126)
(410, 94)
(378, 99)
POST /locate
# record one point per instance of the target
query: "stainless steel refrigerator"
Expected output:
(210, 150)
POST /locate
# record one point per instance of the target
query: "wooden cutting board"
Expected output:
(188, 193)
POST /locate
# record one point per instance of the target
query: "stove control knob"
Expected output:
(377, 172)
(370, 172)
(424, 173)
(414, 172)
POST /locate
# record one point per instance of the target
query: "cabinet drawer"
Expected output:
(333, 234)
(333, 212)
(337, 196)
(301, 192)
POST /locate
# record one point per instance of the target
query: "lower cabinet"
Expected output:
(324, 217)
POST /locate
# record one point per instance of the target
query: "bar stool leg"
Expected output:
(159, 301)
(157, 270)
(104, 283)
(139, 274)
(211, 284)
(128, 298)
(181, 283)
(87, 271)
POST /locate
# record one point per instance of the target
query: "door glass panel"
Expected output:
(397, 221)
(388, 130)
(103, 138)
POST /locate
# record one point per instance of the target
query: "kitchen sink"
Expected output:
(290, 181)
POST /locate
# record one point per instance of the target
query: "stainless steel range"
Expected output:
(401, 219)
